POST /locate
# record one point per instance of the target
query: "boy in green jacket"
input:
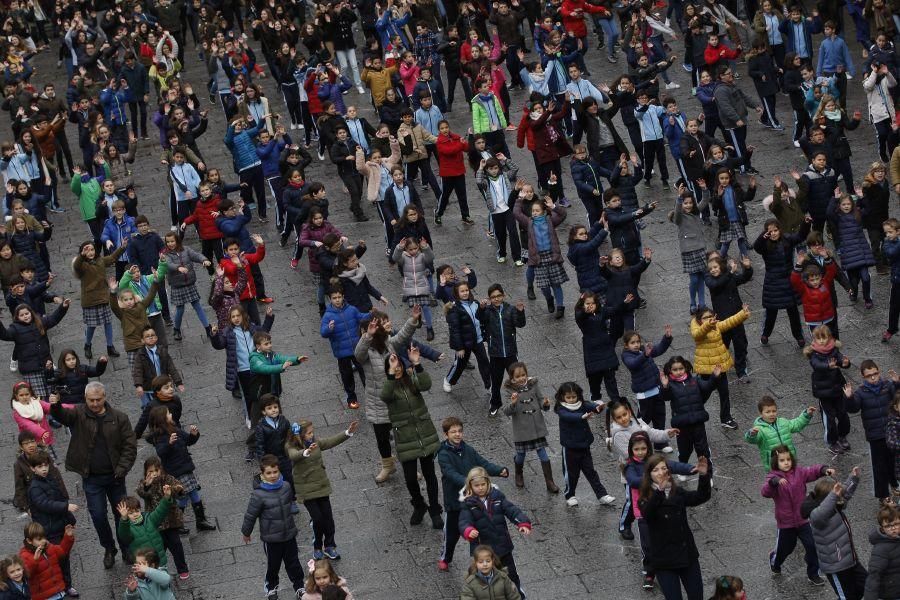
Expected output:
(88, 189)
(140, 530)
(268, 367)
(769, 431)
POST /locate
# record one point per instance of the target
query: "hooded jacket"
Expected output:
(884, 567)
(711, 350)
(344, 336)
(488, 516)
(788, 497)
(831, 529)
(771, 435)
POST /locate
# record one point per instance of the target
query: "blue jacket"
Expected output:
(852, 245)
(335, 93)
(687, 399)
(644, 372)
(175, 458)
(621, 283)
(650, 117)
(387, 27)
(833, 52)
(674, 132)
(499, 328)
(634, 470)
(584, 256)
(236, 227)
(587, 174)
(269, 154)
(13, 594)
(456, 462)
(706, 94)
(491, 521)
(242, 148)
(574, 429)
(557, 78)
(791, 31)
(820, 191)
(117, 233)
(598, 348)
(891, 250)
(873, 404)
(345, 333)
(114, 104)
(144, 251)
(435, 88)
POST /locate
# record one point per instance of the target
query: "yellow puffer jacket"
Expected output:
(378, 82)
(711, 350)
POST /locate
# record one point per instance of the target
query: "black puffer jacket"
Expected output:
(499, 326)
(270, 440)
(723, 292)
(687, 399)
(598, 348)
(826, 382)
(873, 404)
(49, 505)
(779, 260)
(463, 333)
(884, 567)
(176, 460)
(32, 348)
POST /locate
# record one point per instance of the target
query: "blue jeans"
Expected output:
(519, 458)
(183, 500)
(742, 248)
(98, 489)
(89, 334)
(611, 33)
(179, 314)
(557, 294)
(697, 289)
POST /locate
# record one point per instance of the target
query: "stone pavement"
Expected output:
(573, 553)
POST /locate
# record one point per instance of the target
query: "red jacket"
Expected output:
(525, 134)
(817, 305)
(572, 12)
(311, 85)
(231, 272)
(545, 148)
(712, 55)
(450, 152)
(44, 575)
(206, 222)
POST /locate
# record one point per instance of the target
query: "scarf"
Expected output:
(295, 186)
(355, 275)
(499, 190)
(679, 378)
(485, 578)
(833, 115)
(272, 486)
(666, 489)
(534, 116)
(875, 388)
(571, 405)
(823, 348)
(33, 411)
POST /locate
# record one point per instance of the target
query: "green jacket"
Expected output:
(481, 122)
(127, 283)
(156, 586)
(414, 433)
(500, 588)
(88, 194)
(771, 435)
(310, 478)
(273, 365)
(145, 533)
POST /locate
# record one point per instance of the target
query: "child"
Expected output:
(271, 434)
(183, 280)
(586, 173)
(150, 489)
(13, 584)
(140, 285)
(872, 400)
(726, 302)
(621, 424)
(525, 408)
(575, 437)
(786, 485)
(204, 219)
(584, 254)
(892, 433)
(622, 293)
(826, 360)
(891, 250)
(838, 560)
(118, 228)
(883, 562)
(687, 395)
(465, 336)
(692, 240)
(270, 502)
(622, 222)
(28, 332)
(321, 577)
(340, 325)
(148, 581)
(712, 354)
(22, 473)
(50, 506)
(456, 459)
(769, 430)
(729, 201)
(482, 519)
(223, 296)
(162, 394)
(133, 316)
(152, 360)
(729, 587)
(598, 346)
(32, 414)
(447, 280)
(311, 482)
(856, 254)
(415, 260)
(42, 560)
(541, 221)
(640, 449)
(638, 358)
(171, 444)
(495, 181)
(500, 321)
(70, 376)
(488, 578)
(777, 250)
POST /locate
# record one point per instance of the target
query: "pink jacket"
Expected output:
(409, 74)
(789, 497)
(38, 429)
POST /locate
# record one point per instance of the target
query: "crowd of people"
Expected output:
(379, 127)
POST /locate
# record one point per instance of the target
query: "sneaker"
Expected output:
(607, 500)
(886, 337)
(73, 593)
(648, 582)
(467, 221)
(321, 155)
(573, 501)
(519, 263)
(764, 340)
(266, 300)
(868, 304)
(293, 126)
(493, 412)
(443, 566)
(778, 127)
(836, 448)
(109, 559)
(294, 263)
(272, 595)
(184, 576)
(353, 405)
(501, 259)
(612, 59)
(667, 450)
(360, 89)
(437, 219)
(751, 171)
(745, 378)
(447, 387)
(775, 570)
(642, 303)
(687, 68)
(13, 365)
(672, 86)
(844, 443)
(318, 554)
(796, 143)
(626, 534)
(250, 456)
(681, 478)
(332, 553)
(815, 579)
(729, 424)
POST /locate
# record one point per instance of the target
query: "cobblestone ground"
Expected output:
(573, 553)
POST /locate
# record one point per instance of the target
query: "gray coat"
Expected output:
(186, 258)
(884, 567)
(527, 417)
(372, 362)
(273, 509)
(691, 231)
(415, 270)
(831, 531)
(732, 103)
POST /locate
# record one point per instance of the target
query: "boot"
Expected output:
(418, 514)
(548, 477)
(560, 311)
(551, 304)
(177, 334)
(209, 332)
(200, 517)
(429, 334)
(531, 295)
(182, 530)
(436, 521)
(520, 479)
(321, 309)
(387, 469)
(88, 353)
(111, 350)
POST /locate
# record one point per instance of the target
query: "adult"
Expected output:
(733, 103)
(102, 450)
(672, 554)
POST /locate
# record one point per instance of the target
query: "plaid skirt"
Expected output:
(693, 261)
(317, 279)
(96, 316)
(38, 384)
(735, 231)
(185, 294)
(529, 445)
(549, 274)
(189, 482)
(411, 301)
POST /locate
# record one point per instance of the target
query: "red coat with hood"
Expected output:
(450, 152)
(817, 304)
(44, 575)
(231, 270)
(203, 217)
(573, 13)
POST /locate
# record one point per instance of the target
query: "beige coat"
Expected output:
(371, 169)
(419, 138)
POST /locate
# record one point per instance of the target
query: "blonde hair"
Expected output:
(475, 473)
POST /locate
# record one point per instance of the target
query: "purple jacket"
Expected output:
(788, 498)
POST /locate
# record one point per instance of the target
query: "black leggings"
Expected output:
(793, 316)
(606, 377)
(319, 510)
(499, 364)
(383, 438)
(456, 183)
(426, 463)
(256, 184)
(861, 274)
(291, 95)
(172, 542)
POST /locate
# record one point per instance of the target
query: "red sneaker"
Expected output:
(294, 263)
(443, 565)
(184, 576)
(266, 299)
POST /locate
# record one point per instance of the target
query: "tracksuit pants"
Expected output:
(278, 553)
(575, 462)
(786, 541)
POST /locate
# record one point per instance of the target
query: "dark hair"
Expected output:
(495, 287)
(728, 587)
(268, 461)
(610, 194)
(39, 458)
(141, 219)
(888, 514)
(26, 436)
(610, 409)
(764, 402)
(646, 489)
(149, 555)
(449, 422)
(267, 400)
(159, 422)
(260, 337)
(667, 368)
(782, 449)
(866, 365)
(568, 387)
(160, 381)
(406, 112)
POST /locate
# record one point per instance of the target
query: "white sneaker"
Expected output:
(672, 86)
(293, 126)
(13, 365)
(360, 89)
(607, 499)
(681, 478)
(667, 450)
(796, 143)
(849, 76)
(501, 259)
(447, 387)
(573, 501)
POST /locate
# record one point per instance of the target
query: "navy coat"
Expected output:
(270, 440)
(827, 382)
(491, 521)
(891, 251)
(779, 260)
(585, 257)
(359, 294)
(598, 348)
(723, 292)
(574, 429)
(873, 406)
(820, 191)
(175, 458)
(499, 327)
(621, 283)
(644, 372)
(456, 462)
(687, 399)
(31, 347)
(852, 245)
(49, 505)
(463, 335)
